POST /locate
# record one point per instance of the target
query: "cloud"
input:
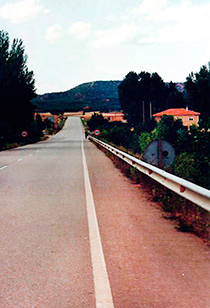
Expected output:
(162, 21)
(148, 7)
(186, 23)
(54, 32)
(157, 21)
(22, 11)
(80, 29)
(114, 36)
(73, 58)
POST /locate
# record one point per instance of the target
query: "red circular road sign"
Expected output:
(24, 134)
(97, 132)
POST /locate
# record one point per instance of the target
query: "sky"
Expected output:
(69, 42)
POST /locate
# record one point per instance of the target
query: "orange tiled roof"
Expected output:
(176, 112)
(113, 114)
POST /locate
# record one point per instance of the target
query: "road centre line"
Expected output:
(103, 295)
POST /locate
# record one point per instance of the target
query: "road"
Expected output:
(54, 252)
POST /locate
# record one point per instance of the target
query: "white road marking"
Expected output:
(4, 167)
(103, 294)
(20, 159)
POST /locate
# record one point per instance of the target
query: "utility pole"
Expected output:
(150, 110)
(143, 111)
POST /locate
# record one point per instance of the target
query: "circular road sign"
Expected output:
(97, 132)
(24, 134)
(156, 152)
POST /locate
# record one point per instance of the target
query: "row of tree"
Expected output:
(144, 94)
(17, 89)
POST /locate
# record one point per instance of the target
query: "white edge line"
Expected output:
(103, 294)
(4, 167)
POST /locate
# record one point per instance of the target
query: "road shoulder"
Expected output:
(149, 263)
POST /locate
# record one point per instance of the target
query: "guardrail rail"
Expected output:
(196, 194)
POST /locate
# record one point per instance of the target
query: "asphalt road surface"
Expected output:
(75, 233)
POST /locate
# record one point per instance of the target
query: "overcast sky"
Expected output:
(69, 42)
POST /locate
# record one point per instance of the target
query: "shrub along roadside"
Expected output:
(34, 133)
(192, 147)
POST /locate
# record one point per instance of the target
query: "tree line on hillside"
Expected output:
(91, 96)
(144, 94)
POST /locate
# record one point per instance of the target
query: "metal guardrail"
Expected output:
(197, 194)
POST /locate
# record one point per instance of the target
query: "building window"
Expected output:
(191, 119)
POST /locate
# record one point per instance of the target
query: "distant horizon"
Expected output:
(39, 94)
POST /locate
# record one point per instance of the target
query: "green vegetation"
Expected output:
(138, 95)
(145, 93)
(17, 89)
(99, 95)
(192, 163)
(197, 88)
(192, 147)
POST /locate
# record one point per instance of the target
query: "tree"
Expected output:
(152, 90)
(129, 98)
(197, 86)
(17, 88)
(96, 121)
(175, 98)
(170, 129)
(138, 93)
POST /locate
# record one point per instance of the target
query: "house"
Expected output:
(47, 115)
(110, 116)
(114, 116)
(188, 117)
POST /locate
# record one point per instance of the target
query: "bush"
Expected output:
(194, 168)
(167, 129)
(96, 121)
(145, 139)
(134, 143)
(184, 166)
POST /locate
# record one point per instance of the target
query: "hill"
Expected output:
(98, 95)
